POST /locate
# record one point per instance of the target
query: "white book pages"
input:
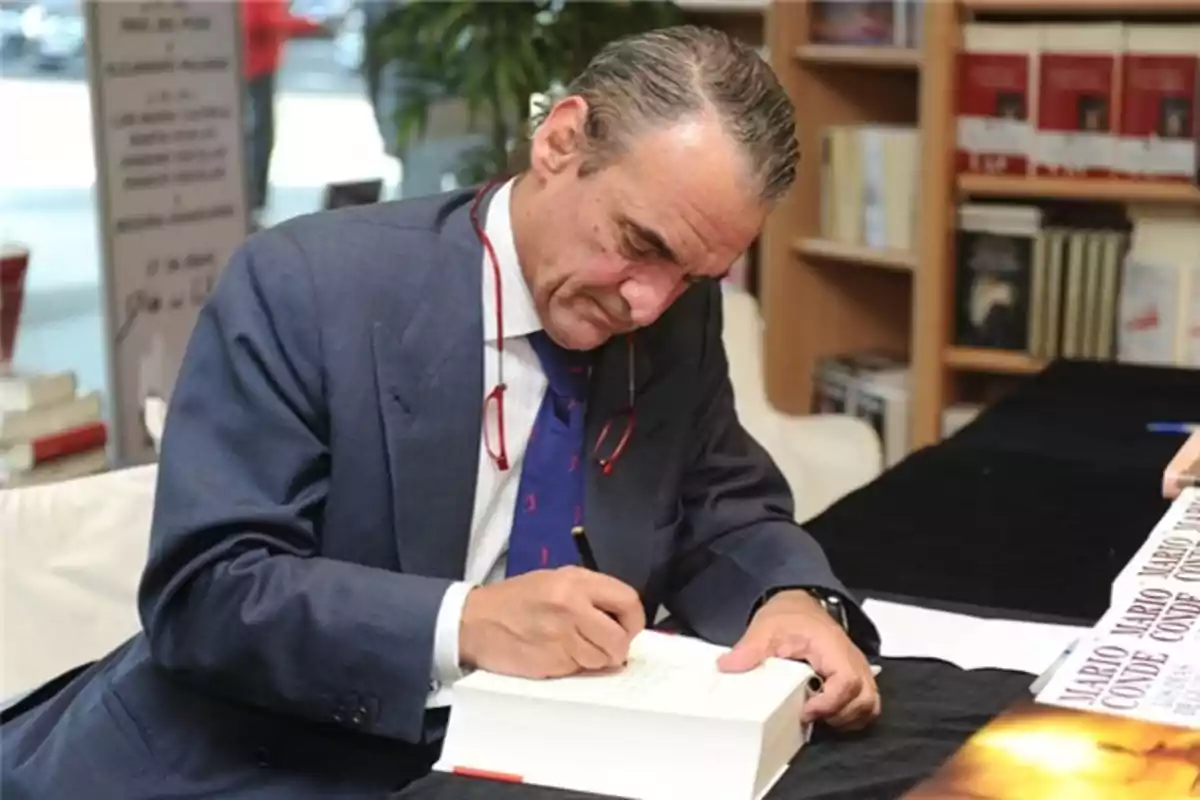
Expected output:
(1165, 615)
(669, 724)
(969, 642)
(1170, 556)
(1143, 680)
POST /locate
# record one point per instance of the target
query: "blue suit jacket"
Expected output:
(314, 500)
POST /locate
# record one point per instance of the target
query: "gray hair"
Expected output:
(667, 75)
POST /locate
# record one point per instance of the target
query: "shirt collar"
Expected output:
(520, 314)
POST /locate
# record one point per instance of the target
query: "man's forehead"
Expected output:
(693, 166)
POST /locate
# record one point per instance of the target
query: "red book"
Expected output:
(14, 262)
(994, 99)
(1158, 103)
(1077, 92)
(71, 441)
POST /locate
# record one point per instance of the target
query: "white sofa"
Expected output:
(73, 551)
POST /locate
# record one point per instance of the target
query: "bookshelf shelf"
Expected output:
(1119, 191)
(1097, 8)
(973, 359)
(841, 252)
(866, 57)
(822, 298)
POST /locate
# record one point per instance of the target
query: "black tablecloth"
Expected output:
(1028, 513)
(1034, 507)
(930, 708)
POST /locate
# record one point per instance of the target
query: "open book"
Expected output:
(668, 724)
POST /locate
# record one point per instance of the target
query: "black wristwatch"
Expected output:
(833, 605)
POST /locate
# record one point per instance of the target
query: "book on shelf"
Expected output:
(1077, 88)
(1159, 317)
(676, 725)
(48, 430)
(1079, 99)
(1158, 138)
(1079, 281)
(872, 385)
(869, 192)
(879, 23)
(994, 274)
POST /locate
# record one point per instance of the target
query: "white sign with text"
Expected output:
(167, 107)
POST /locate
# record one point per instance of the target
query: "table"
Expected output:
(1027, 513)
(930, 708)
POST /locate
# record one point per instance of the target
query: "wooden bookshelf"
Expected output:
(999, 362)
(856, 254)
(1091, 8)
(821, 297)
(1118, 191)
(866, 57)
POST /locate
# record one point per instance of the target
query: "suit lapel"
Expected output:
(619, 506)
(430, 375)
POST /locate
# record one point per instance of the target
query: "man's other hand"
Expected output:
(792, 624)
(550, 623)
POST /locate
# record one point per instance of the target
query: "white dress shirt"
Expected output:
(495, 490)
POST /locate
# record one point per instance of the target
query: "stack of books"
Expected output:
(1079, 281)
(869, 185)
(866, 23)
(1040, 281)
(49, 431)
(871, 385)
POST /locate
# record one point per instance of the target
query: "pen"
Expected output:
(1172, 427)
(585, 549)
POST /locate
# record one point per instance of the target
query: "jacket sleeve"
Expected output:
(236, 596)
(741, 541)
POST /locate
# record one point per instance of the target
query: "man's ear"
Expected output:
(558, 143)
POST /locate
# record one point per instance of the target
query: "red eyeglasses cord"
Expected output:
(499, 453)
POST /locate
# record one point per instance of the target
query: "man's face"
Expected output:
(610, 252)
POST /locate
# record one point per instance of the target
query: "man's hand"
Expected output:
(550, 623)
(792, 624)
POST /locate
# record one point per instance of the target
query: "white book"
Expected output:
(669, 724)
(1160, 615)
(1144, 680)
(1170, 556)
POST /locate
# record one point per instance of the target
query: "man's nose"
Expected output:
(649, 292)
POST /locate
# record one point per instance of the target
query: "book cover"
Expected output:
(1077, 81)
(858, 22)
(1171, 553)
(993, 100)
(1034, 751)
(1145, 680)
(1156, 616)
(994, 258)
(1158, 103)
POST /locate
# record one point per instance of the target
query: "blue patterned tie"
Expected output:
(550, 497)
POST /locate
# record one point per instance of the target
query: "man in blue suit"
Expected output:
(391, 424)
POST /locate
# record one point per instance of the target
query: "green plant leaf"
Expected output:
(494, 56)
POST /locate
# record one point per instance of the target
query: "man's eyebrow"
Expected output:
(649, 238)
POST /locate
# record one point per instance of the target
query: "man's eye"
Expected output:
(638, 252)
